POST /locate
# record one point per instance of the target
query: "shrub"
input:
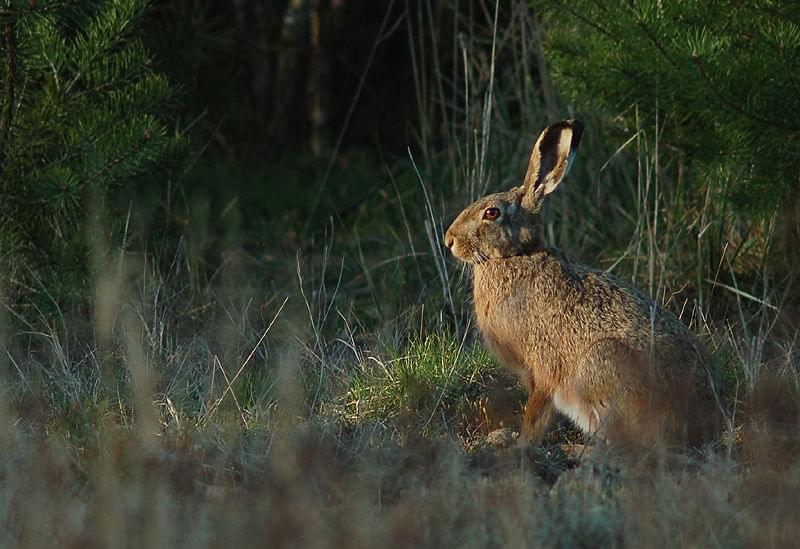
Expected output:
(720, 80)
(83, 114)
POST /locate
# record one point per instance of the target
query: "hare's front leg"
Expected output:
(538, 416)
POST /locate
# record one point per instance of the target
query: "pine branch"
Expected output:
(652, 37)
(8, 17)
(588, 21)
(9, 77)
(7, 13)
(85, 145)
(112, 163)
(734, 106)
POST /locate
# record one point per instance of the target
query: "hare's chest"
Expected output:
(492, 313)
(503, 321)
(504, 311)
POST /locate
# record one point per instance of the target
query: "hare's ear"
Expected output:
(551, 159)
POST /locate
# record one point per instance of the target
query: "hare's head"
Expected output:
(508, 224)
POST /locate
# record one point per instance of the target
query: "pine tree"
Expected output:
(723, 79)
(83, 112)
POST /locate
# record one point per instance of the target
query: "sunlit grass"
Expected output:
(431, 384)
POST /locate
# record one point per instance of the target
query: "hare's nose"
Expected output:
(448, 241)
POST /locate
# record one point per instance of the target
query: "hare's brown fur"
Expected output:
(582, 341)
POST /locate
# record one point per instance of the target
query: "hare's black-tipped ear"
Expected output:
(551, 159)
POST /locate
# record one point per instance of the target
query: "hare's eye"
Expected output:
(491, 214)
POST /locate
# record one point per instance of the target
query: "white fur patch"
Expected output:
(576, 410)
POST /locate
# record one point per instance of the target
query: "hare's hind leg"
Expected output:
(625, 388)
(538, 416)
(609, 381)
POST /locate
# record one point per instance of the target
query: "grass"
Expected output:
(338, 409)
(230, 389)
(434, 384)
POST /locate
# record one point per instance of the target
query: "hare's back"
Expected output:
(555, 300)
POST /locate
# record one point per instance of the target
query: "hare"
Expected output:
(582, 342)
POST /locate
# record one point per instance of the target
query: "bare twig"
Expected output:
(230, 383)
(229, 387)
(743, 294)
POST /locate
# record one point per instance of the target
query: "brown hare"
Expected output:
(582, 341)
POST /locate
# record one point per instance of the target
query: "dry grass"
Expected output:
(311, 486)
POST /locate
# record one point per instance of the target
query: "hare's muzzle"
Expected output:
(453, 244)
